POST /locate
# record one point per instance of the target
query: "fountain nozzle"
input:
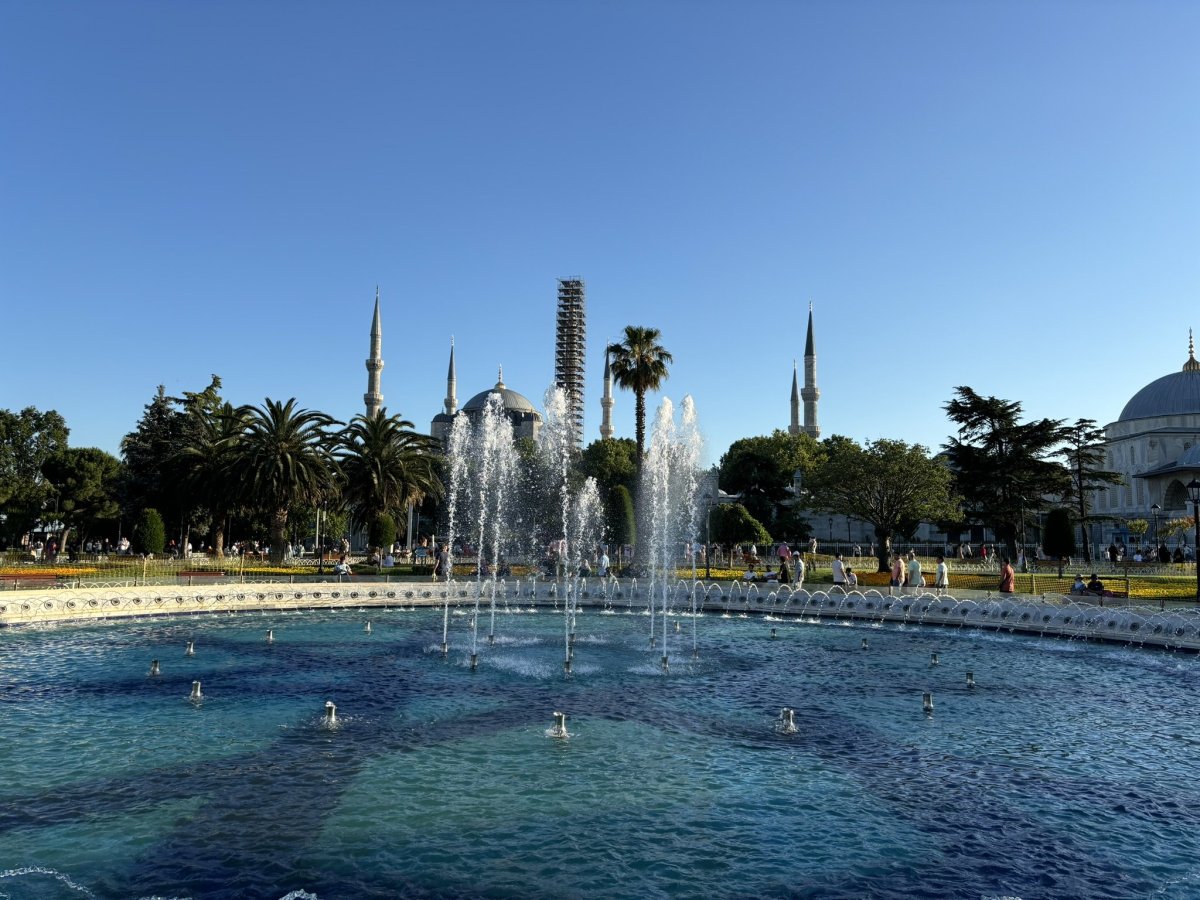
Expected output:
(560, 726)
(677, 628)
(271, 636)
(368, 628)
(774, 633)
(665, 663)
(933, 659)
(787, 721)
(154, 667)
(445, 648)
(191, 649)
(927, 703)
(196, 695)
(330, 713)
(474, 661)
(865, 645)
(970, 679)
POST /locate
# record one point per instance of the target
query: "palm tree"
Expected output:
(206, 464)
(639, 364)
(282, 458)
(385, 465)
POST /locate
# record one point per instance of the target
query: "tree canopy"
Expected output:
(762, 471)
(639, 364)
(890, 484)
(1083, 452)
(27, 440)
(1004, 468)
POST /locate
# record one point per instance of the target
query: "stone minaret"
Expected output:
(374, 397)
(810, 394)
(606, 403)
(451, 385)
(794, 424)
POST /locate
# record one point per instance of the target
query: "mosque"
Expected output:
(1155, 445)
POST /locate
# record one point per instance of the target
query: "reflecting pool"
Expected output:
(1066, 771)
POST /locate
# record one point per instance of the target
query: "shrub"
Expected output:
(382, 531)
(149, 534)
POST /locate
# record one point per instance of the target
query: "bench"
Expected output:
(31, 580)
(189, 575)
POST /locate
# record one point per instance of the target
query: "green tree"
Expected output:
(149, 535)
(611, 462)
(282, 458)
(385, 465)
(1083, 452)
(27, 440)
(639, 364)
(732, 523)
(156, 473)
(85, 482)
(1003, 468)
(762, 471)
(620, 518)
(890, 484)
(205, 464)
(1058, 536)
(381, 533)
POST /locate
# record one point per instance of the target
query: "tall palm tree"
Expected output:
(206, 462)
(639, 364)
(282, 458)
(385, 465)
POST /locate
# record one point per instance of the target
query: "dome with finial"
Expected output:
(514, 403)
(1172, 395)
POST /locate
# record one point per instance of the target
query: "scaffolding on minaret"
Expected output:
(570, 342)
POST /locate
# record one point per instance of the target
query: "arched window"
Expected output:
(1175, 496)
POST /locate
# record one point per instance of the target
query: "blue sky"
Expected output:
(997, 194)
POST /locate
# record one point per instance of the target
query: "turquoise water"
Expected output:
(1066, 772)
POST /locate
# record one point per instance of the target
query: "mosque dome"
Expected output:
(514, 403)
(1172, 395)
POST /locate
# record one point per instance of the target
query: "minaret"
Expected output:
(810, 394)
(451, 385)
(606, 403)
(794, 425)
(374, 397)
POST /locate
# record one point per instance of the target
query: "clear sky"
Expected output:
(997, 194)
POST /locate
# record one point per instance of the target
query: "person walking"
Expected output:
(915, 581)
(1007, 577)
(941, 578)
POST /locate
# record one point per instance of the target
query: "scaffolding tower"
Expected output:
(570, 341)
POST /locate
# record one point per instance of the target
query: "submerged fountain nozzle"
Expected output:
(774, 633)
(787, 721)
(491, 639)
(567, 666)
(270, 635)
(474, 661)
(970, 679)
(651, 641)
(196, 695)
(933, 659)
(367, 629)
(154, 667)
(677, 628)
(666, 663)
(865, 645)
(560, 726)
(927, 703)
(191, 649)
(330, 713)
(445, 648)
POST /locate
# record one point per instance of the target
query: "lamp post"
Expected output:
(1193, 493)
(1154, 509)
(708, 542)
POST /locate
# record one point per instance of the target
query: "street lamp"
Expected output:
(1193, 493)
(1154, 509)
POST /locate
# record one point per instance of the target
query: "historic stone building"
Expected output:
(526, 420)
(1155, 445)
